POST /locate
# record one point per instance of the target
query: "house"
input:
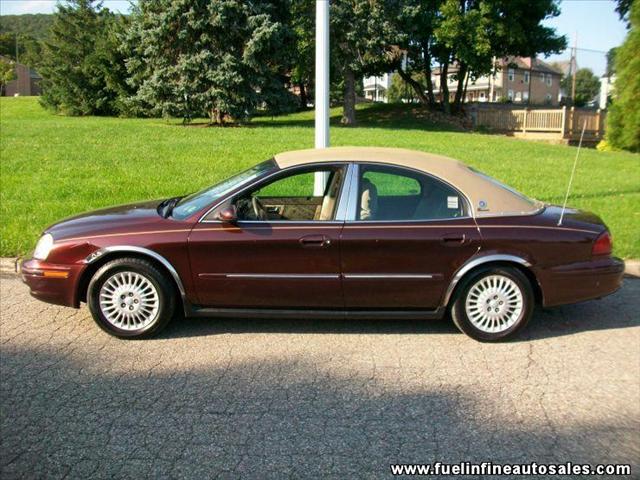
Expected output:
(517, 79)
(606, 90)
(524, 80)
(376, 88)
(26, 83)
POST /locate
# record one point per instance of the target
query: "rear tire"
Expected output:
(493, 303)
(131, 298)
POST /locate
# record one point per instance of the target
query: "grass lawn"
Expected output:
(53, 167)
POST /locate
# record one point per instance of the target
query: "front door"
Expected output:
(283, 251)
(408, 234)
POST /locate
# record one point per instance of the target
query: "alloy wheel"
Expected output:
(129, 300)
(494, 303)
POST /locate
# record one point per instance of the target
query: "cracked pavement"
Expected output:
(299, 399)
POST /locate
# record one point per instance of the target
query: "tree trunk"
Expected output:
(349, 105)
(462, 73)
(303, 96)
(427, 74)
(444, 85)
(216, 117)
(418, 88)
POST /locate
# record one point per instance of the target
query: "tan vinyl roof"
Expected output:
(486, 196)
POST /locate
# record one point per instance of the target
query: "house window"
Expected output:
(548, 79)
(510, 95)
(525, 96)
(518, 96)
(542, 77)
(547, 99)
(482, 97)
(511, 74)
(526, 77)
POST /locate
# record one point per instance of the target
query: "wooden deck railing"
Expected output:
(565, 122)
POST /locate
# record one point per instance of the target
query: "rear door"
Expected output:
(405, 236)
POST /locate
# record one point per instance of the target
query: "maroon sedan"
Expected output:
(339, 232)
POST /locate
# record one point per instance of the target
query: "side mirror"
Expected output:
(228, 214)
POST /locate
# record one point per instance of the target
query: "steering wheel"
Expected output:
(258, 208)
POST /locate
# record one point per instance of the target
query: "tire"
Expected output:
(493, 303)
(131, 298)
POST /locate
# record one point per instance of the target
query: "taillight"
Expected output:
(602, 245)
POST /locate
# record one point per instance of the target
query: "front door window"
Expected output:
(293, 198)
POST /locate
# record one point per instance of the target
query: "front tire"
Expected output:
(493, 303)
(131, 298)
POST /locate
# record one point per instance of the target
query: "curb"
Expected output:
(631, 267)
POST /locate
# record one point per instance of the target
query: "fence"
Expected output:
(560, 123)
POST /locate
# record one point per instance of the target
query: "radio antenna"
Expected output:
(573, 172)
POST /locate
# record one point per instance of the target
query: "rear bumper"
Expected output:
(581, 281)
(50, 282)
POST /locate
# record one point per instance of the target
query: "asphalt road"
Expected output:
(311, 399)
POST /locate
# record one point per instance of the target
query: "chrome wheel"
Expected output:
(129, 301)
(494, 303)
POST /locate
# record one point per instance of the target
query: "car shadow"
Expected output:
(616, 311)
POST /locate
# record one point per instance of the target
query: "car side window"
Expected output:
(294, 197)
(391, 193)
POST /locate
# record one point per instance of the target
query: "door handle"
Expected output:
(454, 240)
(317, 241)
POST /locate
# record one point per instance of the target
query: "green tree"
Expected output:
(467, 34)
(401, 92)
(7, 72)
(359, 37)
(303, 56)
(76, 60)
(587, 86)
(611, 62)
(623, 121)
(221, 58)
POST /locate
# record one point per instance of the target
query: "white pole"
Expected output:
(322, 86)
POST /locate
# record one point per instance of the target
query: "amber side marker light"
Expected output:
(603, 244)
(55, 274)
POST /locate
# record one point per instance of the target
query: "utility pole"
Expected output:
(322, 87)
(574, 67)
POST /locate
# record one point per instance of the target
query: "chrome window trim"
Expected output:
(475, 262)
(350, 178)
(267, 177)
(353, 200)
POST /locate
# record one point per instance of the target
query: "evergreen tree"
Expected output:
(623, 122)
(220, 58)
(76, 59)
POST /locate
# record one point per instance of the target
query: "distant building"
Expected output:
(523, 80)
(26, 83)
(517, 79)
(606, 90)
(376, 88)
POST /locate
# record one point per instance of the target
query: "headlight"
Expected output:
(43, 247)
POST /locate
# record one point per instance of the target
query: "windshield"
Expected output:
(197, 201)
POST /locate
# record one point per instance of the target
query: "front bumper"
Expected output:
(50, 282)
(581, 281)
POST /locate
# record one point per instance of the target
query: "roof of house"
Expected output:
(487, 196)
(537, 65)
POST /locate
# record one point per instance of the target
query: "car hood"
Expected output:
(119, 219)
